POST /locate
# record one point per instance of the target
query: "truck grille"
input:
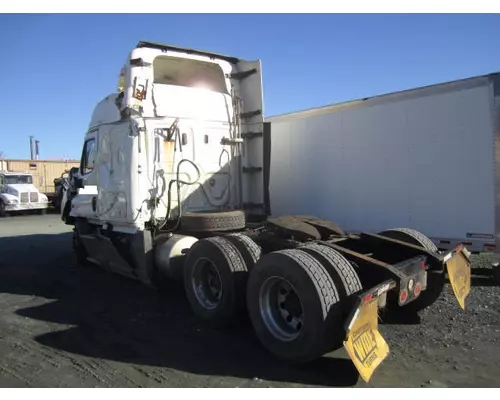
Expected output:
(24, 197)
(33, 197)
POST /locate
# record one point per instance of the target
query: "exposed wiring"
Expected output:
(179, 182)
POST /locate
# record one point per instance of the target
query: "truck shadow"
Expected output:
(118, 319)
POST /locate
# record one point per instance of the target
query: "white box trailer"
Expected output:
(426, 158)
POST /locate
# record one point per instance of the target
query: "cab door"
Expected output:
(84, 203)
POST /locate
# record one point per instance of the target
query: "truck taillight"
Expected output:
(417, 289)
(403, 296)
(368, 298)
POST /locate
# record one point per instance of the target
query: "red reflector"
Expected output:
(417, 290)
(368, 298)
(459, 248)
(422, 265)
(403, 296)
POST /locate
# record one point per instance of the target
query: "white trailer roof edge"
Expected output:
(430, 90)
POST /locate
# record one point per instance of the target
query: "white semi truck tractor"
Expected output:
(174, 186)
(18, 194)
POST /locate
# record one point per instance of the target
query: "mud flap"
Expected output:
(364, 343)
(459, 273)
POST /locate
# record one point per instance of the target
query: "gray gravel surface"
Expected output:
(64, 326)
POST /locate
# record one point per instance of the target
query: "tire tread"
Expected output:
(325, 287)
(341, 267)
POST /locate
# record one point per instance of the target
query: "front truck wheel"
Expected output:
(293, 305)
(435, 281)
(3, 211)
(80, 250)
(215, 276)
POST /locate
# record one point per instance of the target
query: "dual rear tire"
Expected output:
(294, 298)
(435, 280)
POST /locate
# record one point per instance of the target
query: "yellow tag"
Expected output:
(365, 345)
(459, 275)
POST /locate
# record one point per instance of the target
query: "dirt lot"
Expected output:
(63, 326)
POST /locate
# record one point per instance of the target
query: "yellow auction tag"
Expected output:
(459, 274)
(365, 345)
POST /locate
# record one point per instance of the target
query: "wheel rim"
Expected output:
(207, 284)
(281, 309)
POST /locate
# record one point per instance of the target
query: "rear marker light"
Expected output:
(403, 296)
(422, 265)
(368, 298)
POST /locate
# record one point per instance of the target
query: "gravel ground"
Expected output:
(63, 326)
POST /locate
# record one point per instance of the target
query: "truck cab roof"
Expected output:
(167, 47)
(8, 173)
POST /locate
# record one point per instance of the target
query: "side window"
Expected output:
(88, 157)
(1, 183)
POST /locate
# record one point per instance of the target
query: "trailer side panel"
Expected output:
(421, 159)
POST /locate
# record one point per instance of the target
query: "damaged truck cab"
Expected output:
(174, 186)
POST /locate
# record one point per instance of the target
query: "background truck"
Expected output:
(425, 158)
(46, 174)
(60, 185)
(17, 193)
(174, 186)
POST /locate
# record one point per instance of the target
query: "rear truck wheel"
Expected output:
(215, 276)
(43, 211)
(293, 305)
(345, 278)
(250, 250)
(80, 251)
(496, 273)
(213, 221)
(342, 271)
(435, 281)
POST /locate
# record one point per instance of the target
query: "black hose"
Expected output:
(179, 183)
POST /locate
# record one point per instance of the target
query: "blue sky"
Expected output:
(56, 67)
